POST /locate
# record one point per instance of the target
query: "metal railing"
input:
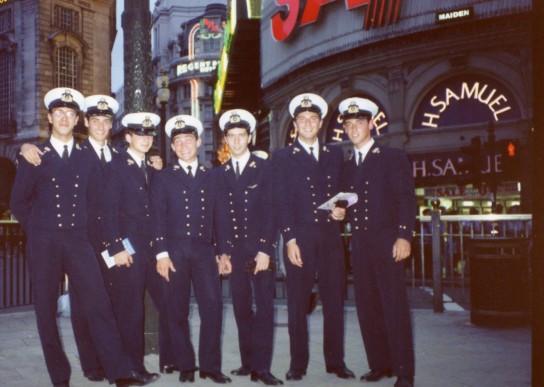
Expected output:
(439, 268)
(441, 261)
(16, 286)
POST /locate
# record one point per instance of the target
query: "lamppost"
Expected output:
(163, 96)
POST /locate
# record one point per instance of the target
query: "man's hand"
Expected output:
(401, 249)
(32, 154)
(262, 261)
(123, 258)
(224, 266)
(338, 213)
(164, 265)
(293, 253)
(156, 162)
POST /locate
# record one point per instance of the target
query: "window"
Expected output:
(5, 20)
(6, 90)
(66, 68)
(187, 91)
(66, 19)
(212, 45)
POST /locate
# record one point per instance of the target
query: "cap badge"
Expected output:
(67, 96)
(306, 102)
(180, 124)
(234, 118)
(102, 105)
(353, 108)
(146, 123)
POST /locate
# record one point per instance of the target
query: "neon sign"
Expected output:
(284, 21)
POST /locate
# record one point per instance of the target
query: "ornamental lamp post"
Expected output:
(163, 96)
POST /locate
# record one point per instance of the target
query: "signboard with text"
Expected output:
(464, 100)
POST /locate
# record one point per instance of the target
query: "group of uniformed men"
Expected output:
(117, 223)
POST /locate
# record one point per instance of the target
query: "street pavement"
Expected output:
(450, 351)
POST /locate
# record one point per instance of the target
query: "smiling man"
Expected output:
(307, 175)
(126, 217)
(54, 202)
(248, 183)
(190, 226)
(382, 222)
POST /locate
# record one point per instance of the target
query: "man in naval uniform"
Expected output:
(99, 113)
(248, 182)
(306, 175)
(382, 222)
(126, 223)
(189, 218)
(54, 203)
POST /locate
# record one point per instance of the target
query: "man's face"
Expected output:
(185, 146)
(238, 140)
(358, 130)
(307, 125)
(139, 144)
(62, 120)
(99, 127)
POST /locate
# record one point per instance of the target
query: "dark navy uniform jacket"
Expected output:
(95, 225)
(127, 207)
(200, 200)
(250, 209)
(302, 186)
(48, 198)
(385, 187)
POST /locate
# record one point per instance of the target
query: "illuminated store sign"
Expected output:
(284, 21)
(197, 67)
(455, 15)
(466, 100)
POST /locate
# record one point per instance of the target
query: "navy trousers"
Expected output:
(322, 254)
(255, 328)
(195, 265)
(53, 253)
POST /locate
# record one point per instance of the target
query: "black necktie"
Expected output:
(237, 170)
(142, 166)
(102, 157)
(65, 153)
(189, 171)
(360, 159)
(312, 153)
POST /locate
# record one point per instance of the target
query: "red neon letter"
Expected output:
(311, 11)
(282, 28)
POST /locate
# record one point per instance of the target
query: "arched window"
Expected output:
(66, 74)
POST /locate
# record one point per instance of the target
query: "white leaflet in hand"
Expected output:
(350, 197)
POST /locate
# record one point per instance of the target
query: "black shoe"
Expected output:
(96, 375)
(242, 371)
(341, 372)
(187, 376)
(169, 369)
(266, 377)
(62, 384)
(135, 378)
(216, 377)
(295, 374)
(375, 375)
(404, 381)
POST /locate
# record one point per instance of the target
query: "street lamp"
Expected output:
(163, 96)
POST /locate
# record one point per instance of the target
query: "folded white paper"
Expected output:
(110, 261)
(350, 197)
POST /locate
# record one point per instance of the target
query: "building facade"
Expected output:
(47, 44)
(452, 80)
(187, 42)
